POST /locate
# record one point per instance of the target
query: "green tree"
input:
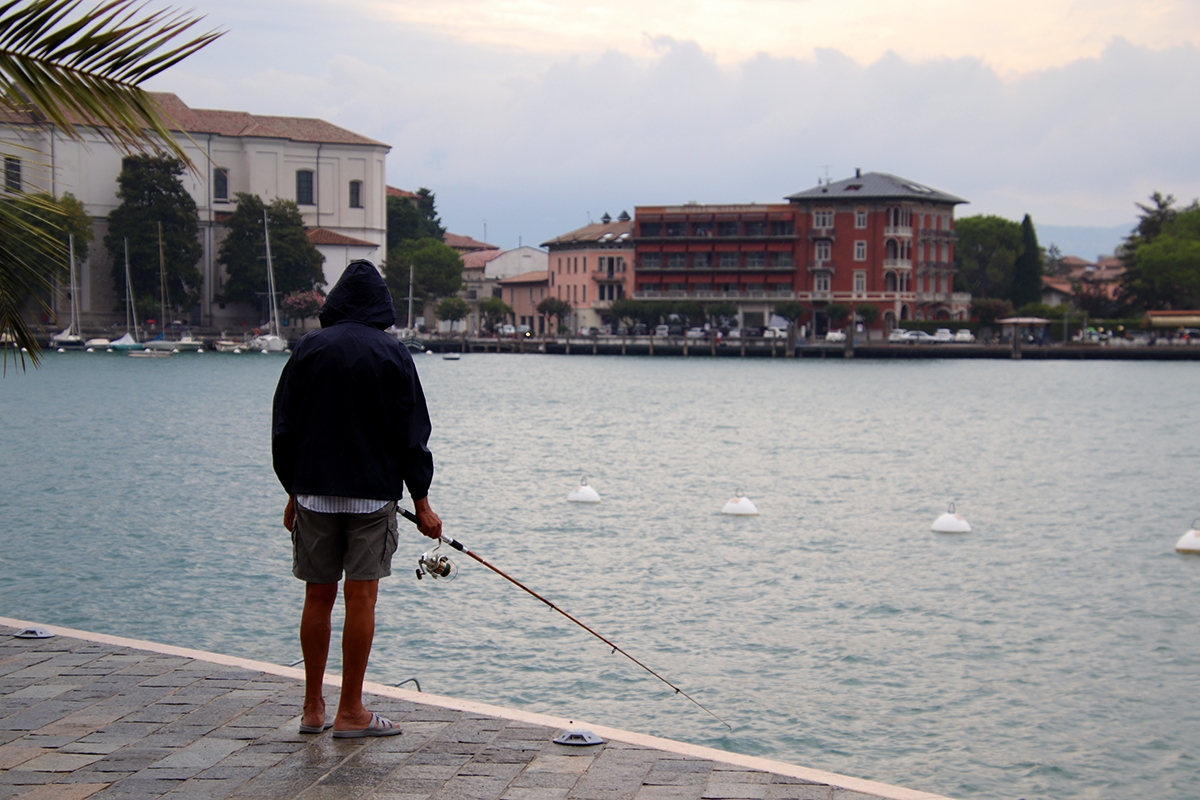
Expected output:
(561, 310)
(986, 254)
(294, 258)
(437, 270)
(59, 67)
(989, 309)
(1054, 261)
(409, 218)
(152, 195)
(837, 314)
(1168, 268)
(34, 230)
(624, 311)
(452, 309)
(869, 314)
(1151, 278)
(1028, 268)
(494, 311)
(723, 313)
(793, 311)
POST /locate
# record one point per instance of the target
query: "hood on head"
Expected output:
(359, 295)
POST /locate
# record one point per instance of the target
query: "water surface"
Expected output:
(1051, 653)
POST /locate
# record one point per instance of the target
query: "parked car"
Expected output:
(734, 333)
(944, 335)
(964, 335)
(508, 330)
(662, 330)
(898, 335)
(752, 332)
(835, 336)
(587, 331)
(920, 337)
(524, 330)
(696, 333)
(774, 333)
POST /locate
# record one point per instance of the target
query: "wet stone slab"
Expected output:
(82, 719)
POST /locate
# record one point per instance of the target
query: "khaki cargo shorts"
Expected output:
(361, 545)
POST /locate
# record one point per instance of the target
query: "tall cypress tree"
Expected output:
(151, 194)
(1027, 271)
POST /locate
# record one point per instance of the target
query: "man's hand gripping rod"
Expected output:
(459, 546)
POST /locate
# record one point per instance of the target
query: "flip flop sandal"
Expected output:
(380, 726)
(316, 728)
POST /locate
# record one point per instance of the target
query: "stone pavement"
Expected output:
(91, 716)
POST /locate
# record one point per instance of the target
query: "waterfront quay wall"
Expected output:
(91, 715)
(677, 347)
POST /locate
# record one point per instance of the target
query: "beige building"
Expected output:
(336, 177)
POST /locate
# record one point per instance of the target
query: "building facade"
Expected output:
(523, 293)
(873, 239)
(591, 267)
(483, 271)
(335, 176)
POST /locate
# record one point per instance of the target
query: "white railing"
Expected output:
(897, 263)
(897, 230)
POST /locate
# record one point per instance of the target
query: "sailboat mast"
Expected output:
(74, 293)
(274, 325)
(408, 322)
(130, 311)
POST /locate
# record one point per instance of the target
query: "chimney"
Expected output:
(858, 172)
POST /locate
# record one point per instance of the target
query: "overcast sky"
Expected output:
(532, 115)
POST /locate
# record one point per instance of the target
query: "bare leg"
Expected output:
(314, 644)
(357, 636)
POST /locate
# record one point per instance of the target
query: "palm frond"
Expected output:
(31, 253)
(70, 68)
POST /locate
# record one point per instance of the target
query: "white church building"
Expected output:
(336, 177)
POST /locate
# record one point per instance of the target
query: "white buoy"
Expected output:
(584, 494)
(951, 523)
(1190, 541)
(740, 506)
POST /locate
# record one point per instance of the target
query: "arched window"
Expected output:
(889, 282)
(892, 249)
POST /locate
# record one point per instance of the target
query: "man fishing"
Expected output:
(349, 430)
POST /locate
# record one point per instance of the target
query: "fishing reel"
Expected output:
(438, 567)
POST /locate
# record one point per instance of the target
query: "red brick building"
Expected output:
(872, 239)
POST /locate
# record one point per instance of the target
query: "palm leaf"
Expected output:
(29, 241)
(69, 68)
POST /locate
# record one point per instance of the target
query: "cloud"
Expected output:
(534, 143)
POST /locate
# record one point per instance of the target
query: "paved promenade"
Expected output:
(91, 716)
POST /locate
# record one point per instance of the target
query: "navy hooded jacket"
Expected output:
(350, 418)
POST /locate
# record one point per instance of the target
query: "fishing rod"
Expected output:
(441, 567)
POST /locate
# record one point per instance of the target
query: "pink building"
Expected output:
(591, 267)
(523, 293)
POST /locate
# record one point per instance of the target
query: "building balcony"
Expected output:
(933, 297)
(822, 233)
(707, 295)
(898, 230)
(710, 237)
(821, 265)
(930, 233)
(897, 263)
(602, 305)
(604, 277)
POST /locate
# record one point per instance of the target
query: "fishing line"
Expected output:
(440, 567)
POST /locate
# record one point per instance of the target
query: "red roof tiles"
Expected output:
(326, 236)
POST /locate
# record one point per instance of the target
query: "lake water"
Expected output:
(1051, 653)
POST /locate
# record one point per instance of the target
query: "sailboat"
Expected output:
(129, 341)
(271, 341)
(70, 338)
(186, 341)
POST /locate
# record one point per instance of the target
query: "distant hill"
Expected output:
(1083, 241)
